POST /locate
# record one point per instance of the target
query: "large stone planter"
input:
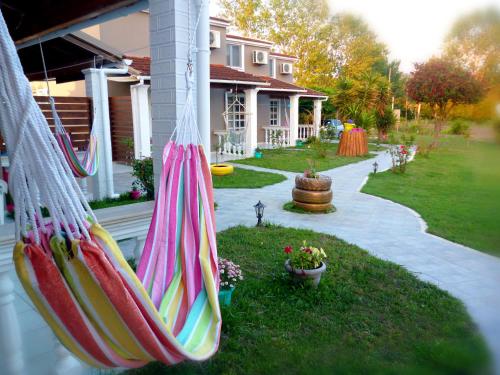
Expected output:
(313, 194)
(303, 275)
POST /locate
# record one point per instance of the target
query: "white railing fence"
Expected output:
(24, 337)
(231, 143)
(306, 131)
(276, 136)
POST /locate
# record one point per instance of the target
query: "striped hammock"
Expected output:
(75, 273)
(81, 167)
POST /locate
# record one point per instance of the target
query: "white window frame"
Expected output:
(272, 63)
(241, 114)
(242, 56)
(275, 117)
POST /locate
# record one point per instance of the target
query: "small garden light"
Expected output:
(259, 212)
(375, 167)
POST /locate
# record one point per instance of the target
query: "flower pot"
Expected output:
(299, 143)
(225, 296)
(258, 155)
(303, 275)
(312, 196)
(135, 194)
(322, 183)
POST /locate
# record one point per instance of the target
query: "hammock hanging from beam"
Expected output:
(81, 167)
(75, 273)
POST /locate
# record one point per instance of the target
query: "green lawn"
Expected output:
(456, 190)
(245, 178)
(368, 316)
(296, 159)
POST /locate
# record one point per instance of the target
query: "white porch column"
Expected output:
(141, 119)
(11, 348)
(96, 86)
(203, 76)
(294, 118)
(169, 50)
(317, 104)
(251, 106)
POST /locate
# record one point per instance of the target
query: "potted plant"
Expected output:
(258, 153)
(230, 274)
(307, 263)
(136, 191)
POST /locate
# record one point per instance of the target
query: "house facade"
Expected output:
(254, 101)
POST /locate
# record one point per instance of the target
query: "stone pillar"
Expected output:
(96, 86)
(317, 115)
(169, 52)
(11, 347)
(251, 131)
(141, 119)
(203, 76)
(294, 118)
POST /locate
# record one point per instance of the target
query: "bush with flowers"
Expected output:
(400, 155)
(306, 258)
(230, 274)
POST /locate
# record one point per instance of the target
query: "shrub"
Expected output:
(365, 120)
(320, 148)
(459, 127)
(306, 258)
(496, 127)
(385, 121)
(143, 171)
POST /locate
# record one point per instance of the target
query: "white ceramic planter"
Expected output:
(300, 274)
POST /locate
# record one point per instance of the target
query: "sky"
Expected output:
(412, 30)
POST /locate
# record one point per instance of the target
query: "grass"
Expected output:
(122, 200)
(455, 189)
(368, 316)
(290, 206)
(245, 178)
(297, 159)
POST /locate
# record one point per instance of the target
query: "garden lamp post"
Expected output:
(259, 212)
(375, 167)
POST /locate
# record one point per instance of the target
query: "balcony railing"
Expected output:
(276, 136)
(27, 345)
(306, 131)
(231, 142)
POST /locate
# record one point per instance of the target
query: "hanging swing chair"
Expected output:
(235, 140)
(81, 167)
(73, 270)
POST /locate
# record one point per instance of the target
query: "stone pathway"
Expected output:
(387, 230)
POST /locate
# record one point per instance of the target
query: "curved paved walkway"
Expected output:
(385, 229)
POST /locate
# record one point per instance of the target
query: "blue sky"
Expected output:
(413, 30)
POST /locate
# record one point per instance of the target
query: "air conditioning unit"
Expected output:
(260, 57)
(286, 68)
(214, 39)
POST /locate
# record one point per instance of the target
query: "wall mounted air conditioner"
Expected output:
(260, 57)
(214, 39)
(286, 68)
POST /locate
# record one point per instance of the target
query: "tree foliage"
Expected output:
(442, 84)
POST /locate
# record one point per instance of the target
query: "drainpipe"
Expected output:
(203, 76)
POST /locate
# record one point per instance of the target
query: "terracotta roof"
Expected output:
(231, 36)
(141, 64)
(283, 55)
(315, 93)
(281, 85)
(221, 72)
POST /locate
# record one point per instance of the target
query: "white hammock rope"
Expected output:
(39, 175)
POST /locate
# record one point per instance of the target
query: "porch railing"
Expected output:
(305, 131)
(25, 339)
(276, 136)
(231, 143)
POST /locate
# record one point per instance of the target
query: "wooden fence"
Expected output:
(122, 128)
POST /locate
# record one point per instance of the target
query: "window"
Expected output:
(234, 58)
(272, 67)
(235, 111)
(274, 112)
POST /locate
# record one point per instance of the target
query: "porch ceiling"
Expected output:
(29, 20)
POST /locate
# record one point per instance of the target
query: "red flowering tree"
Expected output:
(443, 84)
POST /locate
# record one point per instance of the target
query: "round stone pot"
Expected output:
(225, 296)
(303, 275)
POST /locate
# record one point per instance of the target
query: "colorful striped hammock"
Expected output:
(73, 270)
(84, 167)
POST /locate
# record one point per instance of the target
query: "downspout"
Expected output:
(203, 76)
(106, 126)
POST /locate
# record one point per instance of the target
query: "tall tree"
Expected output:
(474, 41)
(443, 84)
